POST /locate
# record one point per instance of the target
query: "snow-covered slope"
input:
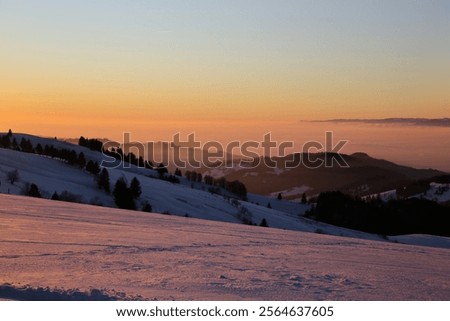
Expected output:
(423, 240)
(437, 192)
(68, 246)
(184, 199)
(49, 174)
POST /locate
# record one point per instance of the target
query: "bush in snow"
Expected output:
(245, 215)
(263, 223)
(96, 201)
(67, 196)
(235, 202)
(304, 199)
(12, 176)
(214, 190)
(146, 207)
(34, 191)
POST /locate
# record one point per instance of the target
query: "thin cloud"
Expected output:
(434, 122)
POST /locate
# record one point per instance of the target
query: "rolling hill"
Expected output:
(183, 199)
(364, 175)
(186, 199)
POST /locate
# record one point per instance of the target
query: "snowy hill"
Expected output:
(184, 199)
(111, 253)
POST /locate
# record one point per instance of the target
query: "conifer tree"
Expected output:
(304, 200)
(103, 180)
(135, 187)
(34, 191)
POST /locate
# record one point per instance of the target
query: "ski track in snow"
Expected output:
(64, 246)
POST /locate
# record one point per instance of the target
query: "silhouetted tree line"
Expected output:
(418, 187)
(443, 179)
(70, 156)
(25, 145)
(178, 172)
(395, 217)
(130, 158)
(92, 144)
(124, 195)
(161, 169)
(170, 178)
(421, 186)
(193, 176)
(236, 187)
(67, 196)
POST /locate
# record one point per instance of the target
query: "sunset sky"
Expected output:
(101, 67)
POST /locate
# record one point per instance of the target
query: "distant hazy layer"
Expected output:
(420, 146)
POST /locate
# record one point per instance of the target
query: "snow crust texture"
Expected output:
(115, 254)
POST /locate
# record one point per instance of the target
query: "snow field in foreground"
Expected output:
(71, 246)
